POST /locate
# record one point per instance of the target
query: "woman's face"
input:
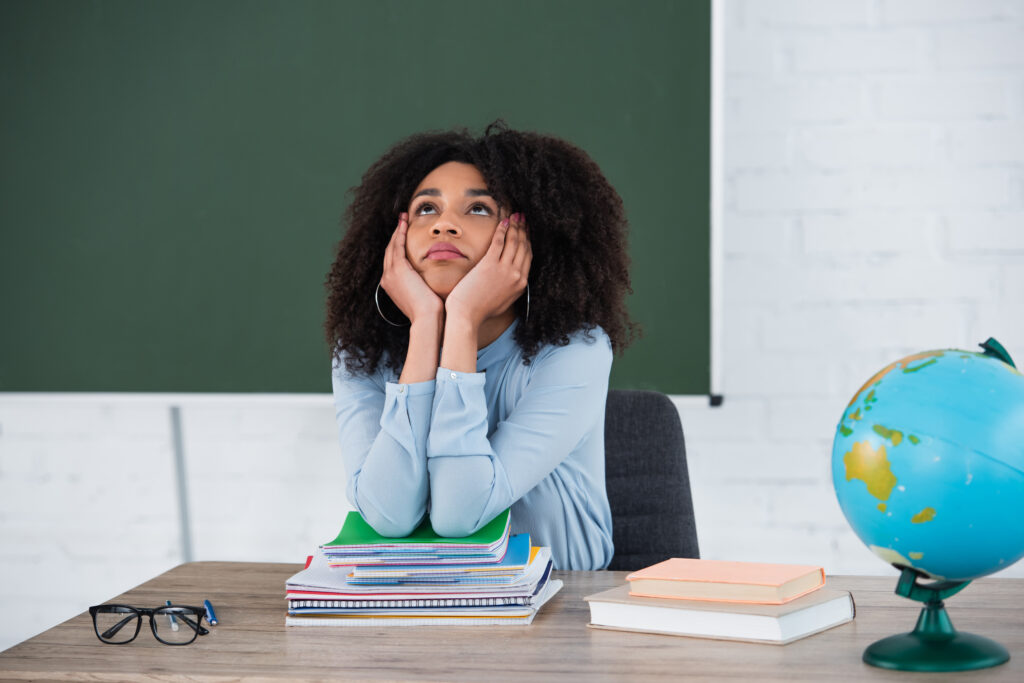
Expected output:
(452, 218)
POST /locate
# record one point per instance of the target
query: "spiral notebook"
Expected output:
(465, 615)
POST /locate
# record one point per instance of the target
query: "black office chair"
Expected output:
(647, 480)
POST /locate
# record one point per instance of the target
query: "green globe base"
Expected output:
(934, 645)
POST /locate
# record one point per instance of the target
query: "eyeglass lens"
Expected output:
(174, 626)
(116, 624)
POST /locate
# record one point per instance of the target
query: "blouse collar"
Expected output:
(499, 349)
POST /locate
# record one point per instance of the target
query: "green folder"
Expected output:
(356, 531)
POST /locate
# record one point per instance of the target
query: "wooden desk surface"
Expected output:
(252, 642)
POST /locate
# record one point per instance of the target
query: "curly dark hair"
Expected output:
(579, 277)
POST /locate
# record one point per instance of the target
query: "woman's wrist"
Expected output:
(429, 313)
(428, 327)
(461, 314)
(460, 343)
(461, 319)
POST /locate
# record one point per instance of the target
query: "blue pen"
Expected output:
(174, 622)
(211, 616)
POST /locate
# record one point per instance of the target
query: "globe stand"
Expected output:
(933, 645)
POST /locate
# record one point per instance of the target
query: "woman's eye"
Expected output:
(480, 210)
(425, 209)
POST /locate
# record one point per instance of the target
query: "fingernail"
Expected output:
(504, 223)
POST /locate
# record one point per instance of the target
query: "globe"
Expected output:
(928, 463)
(928, 468)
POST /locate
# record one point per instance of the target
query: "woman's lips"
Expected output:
(444, 251)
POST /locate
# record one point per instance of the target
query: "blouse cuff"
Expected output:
(406, 414)
(468, 379)
(459, 418)
(391, 389)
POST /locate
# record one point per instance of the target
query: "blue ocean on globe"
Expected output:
(928, 463)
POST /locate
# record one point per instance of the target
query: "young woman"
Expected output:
(473, 308)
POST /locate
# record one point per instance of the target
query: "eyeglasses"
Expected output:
(171, 625)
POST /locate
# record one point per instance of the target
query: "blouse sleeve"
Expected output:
(383, 431)
(473, 477)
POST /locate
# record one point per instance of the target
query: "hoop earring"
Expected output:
(527, 318)
(376, 300)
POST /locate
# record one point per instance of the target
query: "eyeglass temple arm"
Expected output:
(198, 627)
(112, 631)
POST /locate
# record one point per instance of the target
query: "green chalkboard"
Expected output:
(173, 173)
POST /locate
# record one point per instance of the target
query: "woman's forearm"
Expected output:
(475, 471)
(424, 348)
(383, 432)
(461, 340)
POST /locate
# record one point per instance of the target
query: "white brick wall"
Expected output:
(267, 483)
(928, 13)
(88, 506)
(874, 206)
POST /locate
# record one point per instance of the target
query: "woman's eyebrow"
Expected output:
(433, 192)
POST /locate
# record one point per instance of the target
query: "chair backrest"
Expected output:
(647, 480)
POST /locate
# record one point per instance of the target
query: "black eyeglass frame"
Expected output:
(182, 612)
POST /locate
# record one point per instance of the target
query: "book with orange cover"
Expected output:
(716, 580)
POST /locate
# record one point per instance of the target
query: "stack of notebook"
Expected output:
(364, 579)
(771, 603)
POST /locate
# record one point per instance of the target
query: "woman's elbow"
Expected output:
(394, 525)
(449, 523)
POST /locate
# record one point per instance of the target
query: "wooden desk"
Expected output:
(252, 641)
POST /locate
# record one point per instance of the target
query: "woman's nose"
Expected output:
(445, 225)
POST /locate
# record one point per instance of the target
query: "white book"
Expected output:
(822, 609)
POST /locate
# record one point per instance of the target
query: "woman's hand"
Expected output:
(498, 279)
(403, 284)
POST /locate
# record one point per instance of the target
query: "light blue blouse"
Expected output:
(465, 446)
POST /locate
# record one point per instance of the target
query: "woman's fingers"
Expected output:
(498, 240)
(400, 237)
(389, 250)
(512, 239)
(523, 255)
(524, 250)
(522, 262)
(395, 251)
